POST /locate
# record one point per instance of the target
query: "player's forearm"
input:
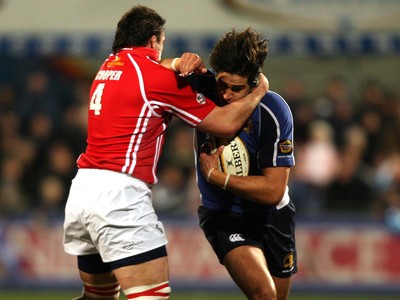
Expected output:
(254, 188)
(227, 120)
(257, 189)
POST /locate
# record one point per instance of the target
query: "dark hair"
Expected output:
(137, 26)
(240, 53)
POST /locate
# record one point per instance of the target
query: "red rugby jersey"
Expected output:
(132, 100)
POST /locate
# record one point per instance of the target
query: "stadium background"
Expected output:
(336, 63)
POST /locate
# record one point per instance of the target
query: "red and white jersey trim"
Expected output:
(132, 100)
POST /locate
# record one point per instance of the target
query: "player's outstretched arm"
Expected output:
(226, 121)
(222, 121)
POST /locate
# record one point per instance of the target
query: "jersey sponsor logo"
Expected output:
(115, 63)
(286, 147)
(200, 98)
(236, 237)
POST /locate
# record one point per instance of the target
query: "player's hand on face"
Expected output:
(209, 161)
(191, 63)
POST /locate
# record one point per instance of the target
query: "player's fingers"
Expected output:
(191, 63)
(204, 157)
(187, 59)
(208, 162)
(203, 70)
(219, 151)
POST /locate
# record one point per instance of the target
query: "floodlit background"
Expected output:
(337, 63)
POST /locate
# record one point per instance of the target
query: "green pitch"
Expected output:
(43, 295)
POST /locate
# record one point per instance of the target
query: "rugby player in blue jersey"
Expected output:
(249, 220)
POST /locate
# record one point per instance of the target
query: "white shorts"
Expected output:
(111, 214)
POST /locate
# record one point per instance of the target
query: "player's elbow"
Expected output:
(227, 131)
(221, 122)
(273, 198)
(276, 201)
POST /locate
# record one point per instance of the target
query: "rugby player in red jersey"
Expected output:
(110, 223)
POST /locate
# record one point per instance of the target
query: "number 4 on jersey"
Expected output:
(95, 102)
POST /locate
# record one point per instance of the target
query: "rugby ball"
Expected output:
(235, 157)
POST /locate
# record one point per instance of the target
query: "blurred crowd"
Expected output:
(347, 146)
(347, 150)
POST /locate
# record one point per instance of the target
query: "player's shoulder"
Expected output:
(273, 96)
(274, 100)
(275, 105)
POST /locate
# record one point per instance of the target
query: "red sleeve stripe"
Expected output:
(182, 114)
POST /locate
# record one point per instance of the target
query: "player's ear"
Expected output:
(153, 41)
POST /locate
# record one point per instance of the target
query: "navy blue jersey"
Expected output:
(268, 135)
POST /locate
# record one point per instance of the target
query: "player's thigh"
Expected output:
(146, 273)
(282, 287)
(248, 268)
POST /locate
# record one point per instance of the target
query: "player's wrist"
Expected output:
(175, 64)
(209, 174)
(216, 177)
(228, 176)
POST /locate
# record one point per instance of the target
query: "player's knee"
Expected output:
(158, 291)
(263, 293)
